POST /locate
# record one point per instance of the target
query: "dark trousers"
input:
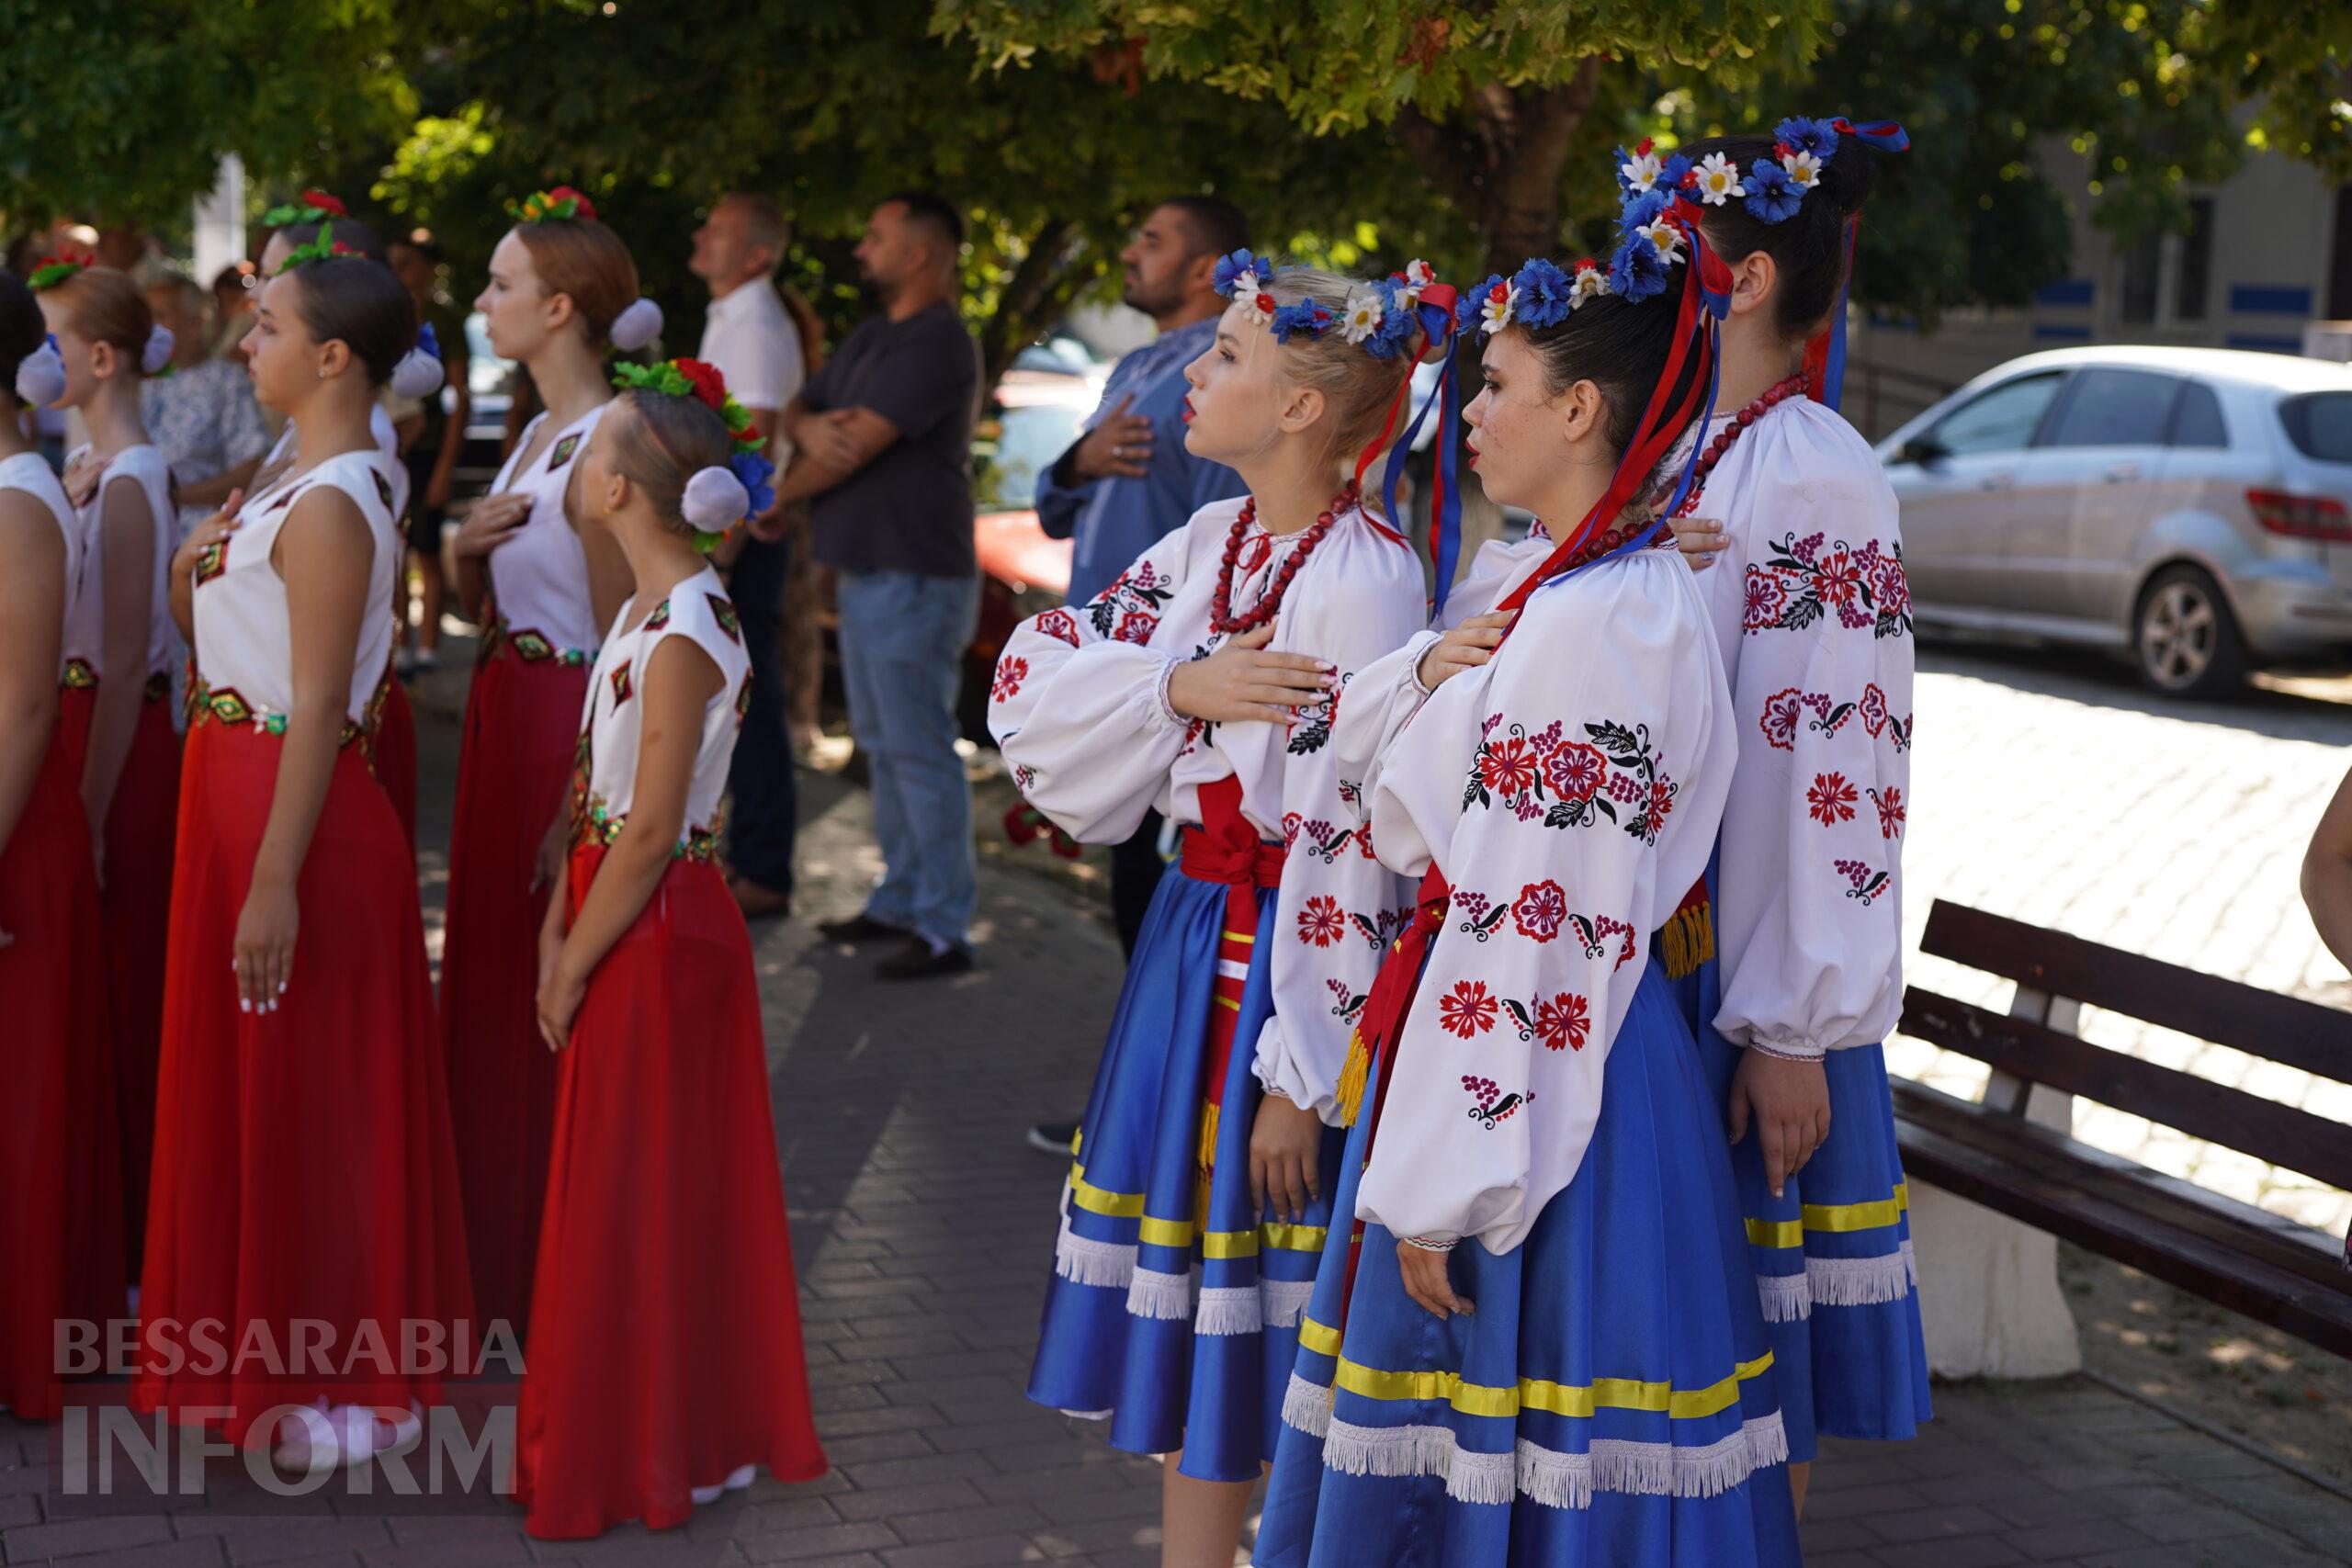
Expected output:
(766, 807)
(1136, 868)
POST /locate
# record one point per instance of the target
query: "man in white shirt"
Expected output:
(751, 339)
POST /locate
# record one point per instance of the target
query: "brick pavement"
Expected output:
(923, 1229)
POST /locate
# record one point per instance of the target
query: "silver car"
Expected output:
(2188, 506)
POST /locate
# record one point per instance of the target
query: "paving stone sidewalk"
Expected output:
(923, 1229)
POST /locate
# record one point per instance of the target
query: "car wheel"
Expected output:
(2187, 641)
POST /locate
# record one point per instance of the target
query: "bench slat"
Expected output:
(1949, 1143)
(2262, 1024)
(2280, 1134)
(2165, 1202)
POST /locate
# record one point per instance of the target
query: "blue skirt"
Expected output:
(1181, 1333)
(1832, 1254)
(1610, 1403)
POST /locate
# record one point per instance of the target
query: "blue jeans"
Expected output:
(766, 811)
(903, 638)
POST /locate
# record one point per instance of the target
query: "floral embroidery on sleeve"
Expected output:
(1468, 1010)
(1785, 710)
(1890, 811)
(1010, 673)
(1321, 924)
(1618, 775)
(1799, 581)
(1060, 624)
(1831, 799)
(1492, 1106)
(1128, 611)
(1868, 882)
(1563, 1023)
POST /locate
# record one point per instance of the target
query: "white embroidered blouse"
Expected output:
(1569, 791)
(612, 720)
(29, 472)
(538, 576)
(1077, 708)
(1813, 615)
(245, 642)
(145, 465)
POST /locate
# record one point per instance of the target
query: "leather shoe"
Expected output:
(758, 901)
(860, 927)
(916, 960)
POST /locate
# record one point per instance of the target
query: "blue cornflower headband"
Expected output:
(1378, 317)
(1774, 188)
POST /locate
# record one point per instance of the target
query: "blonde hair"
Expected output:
(1358, 388)
(107, 306)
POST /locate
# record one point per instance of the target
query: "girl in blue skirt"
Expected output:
(1543, 1346)
(1813, 617)
(1201, 683)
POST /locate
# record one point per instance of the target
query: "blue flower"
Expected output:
(1817, 137)
(755, 471)
(1397, 321)
(1307, 316)
(1469, 312)
(1636, 273)
(1677, 168)
(427, 342)
(1232, 269)
(1544, 293)
(1772, 196)
(1642, 210)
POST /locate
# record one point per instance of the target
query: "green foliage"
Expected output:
(120, 110)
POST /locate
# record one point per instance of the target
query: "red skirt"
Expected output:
(665, 1343)
(395, 757)
(136, 905)
(522, 724)
(61, 1171)
(303, 1166)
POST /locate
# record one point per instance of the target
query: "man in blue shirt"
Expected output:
(1129, 481)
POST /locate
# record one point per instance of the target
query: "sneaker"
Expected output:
(916, 959)
(736, 1480)
(1054, 1138)
(859, 928)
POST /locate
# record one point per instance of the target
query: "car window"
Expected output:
(2116, 407)
(2197, 418)
(1012, 449)
(2000, 420)
(2320, 425)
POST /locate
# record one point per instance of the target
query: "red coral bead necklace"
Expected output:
(1222, 620)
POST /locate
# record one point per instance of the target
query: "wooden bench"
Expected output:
(2270, 1268)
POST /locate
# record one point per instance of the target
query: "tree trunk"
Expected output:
(1042, 280)
(1502, 165)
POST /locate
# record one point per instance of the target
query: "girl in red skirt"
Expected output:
(61, 1182)
(391, 728)
(543, 583)
(122, 485)
(664, 1356)
(303, 1174)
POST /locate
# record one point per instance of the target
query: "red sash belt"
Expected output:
(1226, 849)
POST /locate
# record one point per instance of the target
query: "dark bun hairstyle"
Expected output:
(1808, 249)
(1620, 346)
(360, 302)
(349, 232)
(23, 329)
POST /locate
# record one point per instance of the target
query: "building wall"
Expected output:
(2273, 228)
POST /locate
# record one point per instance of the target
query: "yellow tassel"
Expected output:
(1205, 1163)
(1353, 1079)
(1688, 939)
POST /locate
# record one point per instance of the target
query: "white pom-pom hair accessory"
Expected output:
(637, 326)
(418, 375)
(40, 376)
(158, 352)
(715, 501)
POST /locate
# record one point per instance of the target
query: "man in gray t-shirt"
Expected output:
(883, 442)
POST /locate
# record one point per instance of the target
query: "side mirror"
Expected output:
(1923, 451)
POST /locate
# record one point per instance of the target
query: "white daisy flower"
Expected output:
(1665, 236)
(1804, 170)
(1363, 315)
(1641, 171)
(1419, 275)
(1718, 181)
(1497, 308)
(1591, 284)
